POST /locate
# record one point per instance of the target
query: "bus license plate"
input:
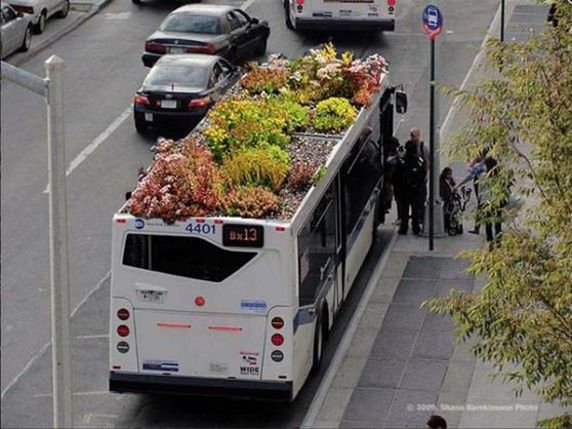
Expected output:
(169, 104)
(151, 296)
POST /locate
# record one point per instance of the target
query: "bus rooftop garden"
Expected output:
(249, 232)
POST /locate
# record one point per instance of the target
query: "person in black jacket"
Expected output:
(408, 183)
(446, 192)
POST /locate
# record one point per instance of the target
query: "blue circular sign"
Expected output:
(432, 21)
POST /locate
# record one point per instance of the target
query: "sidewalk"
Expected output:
(403, 364)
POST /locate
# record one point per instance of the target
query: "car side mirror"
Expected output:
(400, 101)
(19, 14)
(254, 21)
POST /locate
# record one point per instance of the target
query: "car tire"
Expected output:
(140, 124)
(261, 49)
(40, 26)
(289, 24)
(27, 40)
(65, 11)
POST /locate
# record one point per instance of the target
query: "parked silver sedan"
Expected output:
(16, 31)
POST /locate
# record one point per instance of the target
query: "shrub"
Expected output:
(301, 175)
(250, 202)
(237, 124)
(294, 115)
(334, 115)
(181, 183)
(263, 166)
(268, 80)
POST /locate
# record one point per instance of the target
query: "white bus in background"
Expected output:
(340, 14)
(229, 306)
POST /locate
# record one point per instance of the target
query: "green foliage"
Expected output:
(250, 202)
(334, 115)
(236, 124)
(521, 115)
(268, 80)
(319, 174)
(262, 166)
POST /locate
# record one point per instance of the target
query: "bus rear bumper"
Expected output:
(143, 383)
(308, 23)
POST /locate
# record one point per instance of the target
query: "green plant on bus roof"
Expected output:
(319, 174)
(237, 124)
(264, 79)
(265, 165)
(333, 115)
(250, 202)
(301, 175)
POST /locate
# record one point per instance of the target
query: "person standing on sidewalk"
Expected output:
(446, 191)
(409, 181)
(422, 152)
(390, 159)
(492, 209)
(476, 170)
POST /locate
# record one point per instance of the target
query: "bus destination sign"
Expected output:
(242, 235)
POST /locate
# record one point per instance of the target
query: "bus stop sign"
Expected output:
(432, 21)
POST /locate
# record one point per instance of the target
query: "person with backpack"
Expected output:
(408, 183)
(422, 152)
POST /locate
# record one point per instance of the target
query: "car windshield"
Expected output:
(191, 23)
(188, 76)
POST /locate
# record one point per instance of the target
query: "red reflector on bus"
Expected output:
(280, 229)
(123, 314)
(120, 221)
(277, 339)
(225, 328)
(300, 2)
(277, 323)
(391, 3)
(116, 367)
(122, 330)
(200, 221)
(200, 301)
(218, 221)
(173, 325)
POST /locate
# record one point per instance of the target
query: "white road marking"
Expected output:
(346, 340)
(89, 149)
(120, 15)
(88, 393)
(49, 343)
(247, 4)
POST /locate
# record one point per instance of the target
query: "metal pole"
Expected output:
(502, 21)
(432, 146)
(59, 269)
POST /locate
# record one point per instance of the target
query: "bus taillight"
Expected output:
(123, 314)
(277, 323)
(277, 339)
(122, 330)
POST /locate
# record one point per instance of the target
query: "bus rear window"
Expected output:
(183, 256)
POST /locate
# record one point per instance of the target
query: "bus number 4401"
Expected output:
(201, 228)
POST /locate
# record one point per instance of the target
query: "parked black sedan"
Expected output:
(208, 29)
(180, 89)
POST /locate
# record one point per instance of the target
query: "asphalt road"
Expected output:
(103, 69)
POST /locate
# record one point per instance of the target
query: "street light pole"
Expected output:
(59, 269)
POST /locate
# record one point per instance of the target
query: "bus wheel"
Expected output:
(289, 24)
(319, 342)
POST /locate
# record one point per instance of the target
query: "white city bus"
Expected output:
(231, 306)
(340, 14)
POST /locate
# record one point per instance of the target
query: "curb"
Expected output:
(337, 360)
(47, 43)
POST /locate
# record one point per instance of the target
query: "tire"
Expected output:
(27, 40)
(319, 342)
(289, 24)
(261, 49)
(41, 25)
(64, 12)
(140, 124)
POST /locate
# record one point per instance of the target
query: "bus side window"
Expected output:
(316, 250)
